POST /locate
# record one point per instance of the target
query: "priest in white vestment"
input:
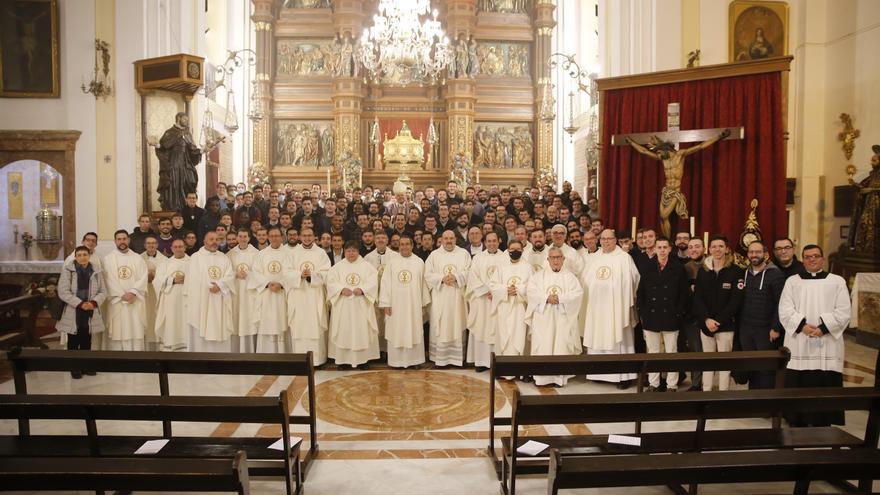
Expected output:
(307, 297)
(509, 302)
(482, 323)
(554, 296)
(536, 253)
(573, 261)
(446, 272)
(403, 295)
(815, 310)
(269, 279)
(352, 289)
(171, 329)
(610, 280)
(378, 258)
(244, 330)
(154, 260)
(126, 315)
(209, 292)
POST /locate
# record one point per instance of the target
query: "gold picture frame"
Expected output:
(29, 63)
(757, 30)
(15, 195)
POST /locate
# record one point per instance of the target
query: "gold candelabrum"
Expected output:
(100, 86)
(848, 137)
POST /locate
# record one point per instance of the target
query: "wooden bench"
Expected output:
(18, 330)
(701, 407)
(125, 473)
(800, 466)
(639, 364)
(93, 408)
(168, 363)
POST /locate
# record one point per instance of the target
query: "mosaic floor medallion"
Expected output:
(403, 400)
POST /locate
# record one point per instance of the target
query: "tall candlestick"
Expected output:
(633, 233)
(693, 226)
(328, 181)
(361, 178)
(344, 182)
(706, 240)
(478, 176)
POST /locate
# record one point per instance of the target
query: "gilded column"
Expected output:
(264, 24)
(544, 23)
(460, 91)
(348, 91)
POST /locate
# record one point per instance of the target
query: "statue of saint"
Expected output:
(327, 146)
(671, 198)
(863, 230)
(473, 61)
(178, 157)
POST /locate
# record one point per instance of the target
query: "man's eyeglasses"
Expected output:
(783, 248)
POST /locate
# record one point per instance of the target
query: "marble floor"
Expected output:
(401, 432)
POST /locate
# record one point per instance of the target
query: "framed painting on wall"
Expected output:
(29, 66)
(757, 30)
(15, 197)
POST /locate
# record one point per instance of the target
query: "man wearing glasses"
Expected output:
(783, 254)
(814, 309)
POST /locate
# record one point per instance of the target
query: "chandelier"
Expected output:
(406, 44)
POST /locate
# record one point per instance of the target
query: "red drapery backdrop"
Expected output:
(719, 182)
(390, 127)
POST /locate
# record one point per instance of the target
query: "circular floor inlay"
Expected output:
(403, 400)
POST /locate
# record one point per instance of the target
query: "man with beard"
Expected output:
(786, 260)
(537, 254)
(446, 272)
(208, 290)
(681, 246)
(482, 322)
(403, 297)
(140, 233)
(573, 261)
(759, 327)
(461, 230)
(126, 275)
(307, 297)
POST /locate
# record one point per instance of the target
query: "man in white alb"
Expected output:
(509, 301)
(171, 327)
(403, 295)
(269, 279)
(352, 291)
(307, 298)
(610, 280)
(446, 271)
(244, 330)
(154, 260)
(209, 290)
(379, 257)
(554, 296)
(482, 322)
(126, 276)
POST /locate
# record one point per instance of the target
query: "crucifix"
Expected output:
(663, 146)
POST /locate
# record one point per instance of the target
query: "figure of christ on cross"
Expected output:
(663, 146)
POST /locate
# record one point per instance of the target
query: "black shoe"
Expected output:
(89, 373)
(481, 369)
(76, 375)
(662, 387)
(528, 379)
(695, 389)
(363, 367)
(624, 385)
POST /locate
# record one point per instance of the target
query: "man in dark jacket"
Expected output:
(718, 296)
(140, 234)
(662, 300)
(191, 213)
(759, 327)
(784, 257)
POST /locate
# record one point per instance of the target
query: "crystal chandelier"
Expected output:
(406, 44)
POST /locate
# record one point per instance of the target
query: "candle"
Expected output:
(706, 239)
(328, 182)
(633, 233)
(361, 178)
(693, 226)
(478, 176)
(344, 183)
(451, 175)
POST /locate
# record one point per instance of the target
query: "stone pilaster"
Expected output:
(264, 25)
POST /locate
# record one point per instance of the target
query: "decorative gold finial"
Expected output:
(848, 137)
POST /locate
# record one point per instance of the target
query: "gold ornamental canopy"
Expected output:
(403, 150)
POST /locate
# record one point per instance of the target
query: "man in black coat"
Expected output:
(662, 301)
(759, 327)
(784, 257)
(718, 296)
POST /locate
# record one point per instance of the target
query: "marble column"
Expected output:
(264, 24)
(544, 22)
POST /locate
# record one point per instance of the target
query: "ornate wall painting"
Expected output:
(29, 64)
(306, 4)
(303, 143)
(497, 58)
(296, 57)
(15, 196)
(758, 30)
(503, 145)
(505, 6)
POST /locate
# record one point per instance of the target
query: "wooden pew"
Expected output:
(616, 408)
(23, 329)
(799, 466)
(125, 473)
(168, 363)
(640, 364)
(93, 408)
